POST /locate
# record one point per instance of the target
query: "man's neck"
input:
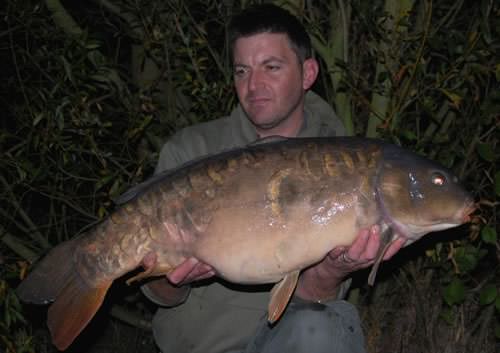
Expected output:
(289, 128)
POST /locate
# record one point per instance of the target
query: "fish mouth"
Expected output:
(413, 231)
(462, 216)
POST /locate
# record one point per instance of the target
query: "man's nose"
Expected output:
(254, 80)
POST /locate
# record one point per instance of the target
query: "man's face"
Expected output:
(269, 81)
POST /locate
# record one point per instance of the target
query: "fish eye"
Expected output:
(438, 179)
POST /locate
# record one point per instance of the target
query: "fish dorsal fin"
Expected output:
(386, 239)
(280, 296)
(74, 308)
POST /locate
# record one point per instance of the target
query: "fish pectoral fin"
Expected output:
(280, 296)
(73, 309)
(385, 241)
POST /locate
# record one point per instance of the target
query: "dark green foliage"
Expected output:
(454, 293)
(90, 95)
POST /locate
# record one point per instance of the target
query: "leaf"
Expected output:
(38, 118)
(103, 181)
(489, 235)
(67, 69)
(488, 294)
(100, 78)
(410, 135)
(102, 212)
(454, 293)
(497, 183)
(448, 316)
(485, 150)
(59, 113)
(453, 97)
(92, 45)
(466, 258)
(115, 188)
(484, 23)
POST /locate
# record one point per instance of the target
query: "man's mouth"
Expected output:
(258, 100)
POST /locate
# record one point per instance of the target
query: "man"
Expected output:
(273, 71)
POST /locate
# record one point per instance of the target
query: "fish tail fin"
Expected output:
(49, 276)
(56, 279)
(75, 306)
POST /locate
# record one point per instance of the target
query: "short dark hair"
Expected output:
(271, 19)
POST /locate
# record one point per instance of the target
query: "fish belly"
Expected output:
(258, 250)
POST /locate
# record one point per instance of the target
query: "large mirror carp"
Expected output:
(257, 215)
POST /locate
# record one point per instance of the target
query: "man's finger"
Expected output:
(372, 245)
(181, 272)
(199, 276)
(358, 247)
(199, 271)
(335, 253)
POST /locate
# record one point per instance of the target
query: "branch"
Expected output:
(125, 16)
(387, 64)
(345, 31)
(227, 74)
(34, 233)
(62, 18)
(130, 318)
(13, 243)
(481, 323)
(420, 52)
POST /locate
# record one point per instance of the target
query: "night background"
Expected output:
(90, 91)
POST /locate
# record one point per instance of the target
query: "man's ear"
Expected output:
(310, 69)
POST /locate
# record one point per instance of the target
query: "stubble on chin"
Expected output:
(268, 123)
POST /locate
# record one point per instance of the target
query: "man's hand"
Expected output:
(175, 290)
(189, 271)
(321, 281)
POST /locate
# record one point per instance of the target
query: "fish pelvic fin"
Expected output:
(385, 241)
(280, 296)
(75, 306)
(152, 268)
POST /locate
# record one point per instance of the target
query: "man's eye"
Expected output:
(273, 67)
(239, 72)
